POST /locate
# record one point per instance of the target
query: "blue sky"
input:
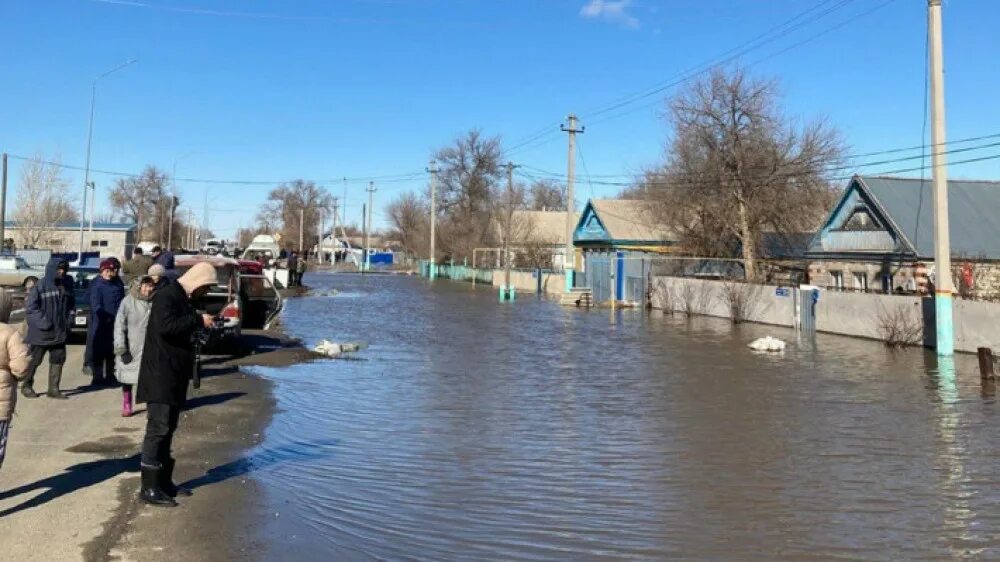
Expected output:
(325, 89)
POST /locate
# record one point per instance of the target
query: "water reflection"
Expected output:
(476, 430)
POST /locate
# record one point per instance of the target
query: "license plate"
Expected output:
(81, 321)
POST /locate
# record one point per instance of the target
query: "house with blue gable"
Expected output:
(879, 237)
(612, 238)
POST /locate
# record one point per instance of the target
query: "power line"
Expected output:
(753, 63)
(392, 178)
(726, 57)
(831, 167)
(789, 175)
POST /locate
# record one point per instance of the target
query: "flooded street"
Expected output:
(473, 430)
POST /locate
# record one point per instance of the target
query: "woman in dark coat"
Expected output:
(106, 294)
(166, 366)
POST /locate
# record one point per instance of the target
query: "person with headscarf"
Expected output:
(48, 307)
(158, 273)
(130, 337)
(165, 368)
(14, 360)
(106, 294)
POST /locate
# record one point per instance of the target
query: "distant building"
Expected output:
(620, 234)
(880, 237)
(110, 239)
(538, 238)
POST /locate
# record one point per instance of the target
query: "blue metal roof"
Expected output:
(906, 205)
(76, 225)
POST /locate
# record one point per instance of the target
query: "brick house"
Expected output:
(879, 237)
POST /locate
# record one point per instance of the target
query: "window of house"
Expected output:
(99, 243)
(104, 243)
(55, 242)
(861, 219)
(887, 283)
(837, 279)
(861, 281)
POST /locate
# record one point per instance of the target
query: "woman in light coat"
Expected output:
(130, 334)
(14, 358)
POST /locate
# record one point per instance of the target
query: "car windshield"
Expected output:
(82, 277)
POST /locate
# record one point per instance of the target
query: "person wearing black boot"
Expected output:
(47, 308)
(164, 371)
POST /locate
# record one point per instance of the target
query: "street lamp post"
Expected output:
(86, 172)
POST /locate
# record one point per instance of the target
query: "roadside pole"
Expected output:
(170, 227)
(3, 202)
(319, 240)
(506, 292)
(364, 236)
(432, 266)
(943, 287)
(368, 224)
(569, 258)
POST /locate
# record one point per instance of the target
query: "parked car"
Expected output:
(14, 271)
(82, 278)
(250, 267)
(252, 306)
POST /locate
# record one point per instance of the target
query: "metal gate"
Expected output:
(599, 276)
(808, 297)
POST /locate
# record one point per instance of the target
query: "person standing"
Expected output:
(163, 257)
(106, 294)
(164, 371)
(136, 267)
(130, 337)
(293, 269)
(14, 360)
(300, 270)
(47, 308)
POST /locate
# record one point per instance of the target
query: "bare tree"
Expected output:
(410, 219)
(138, 199)
(294, 205)
(738, 167)
(468, 179)
(42, 200)
(547, 195)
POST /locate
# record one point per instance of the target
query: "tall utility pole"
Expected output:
(432, 265)
(368, 225)
(943, 287)
(364, 236)
(86, 173)
(319, 240)
(302, 231)
(506, 292)
(170, 227)
(333, 232)
(3, 201)
(569, 258)
(343, 218)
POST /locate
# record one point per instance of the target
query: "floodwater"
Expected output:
(471, 430)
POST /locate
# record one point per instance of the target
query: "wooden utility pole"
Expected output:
(3, 202)
(569, 258)
(943, 287)
(333, 231)
(432, 265)
(364, 237)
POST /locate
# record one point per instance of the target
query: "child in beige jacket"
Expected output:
(14, 358)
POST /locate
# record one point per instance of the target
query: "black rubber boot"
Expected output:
(55, 377)
(27, 391)
(150, 491)
(167, 481)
